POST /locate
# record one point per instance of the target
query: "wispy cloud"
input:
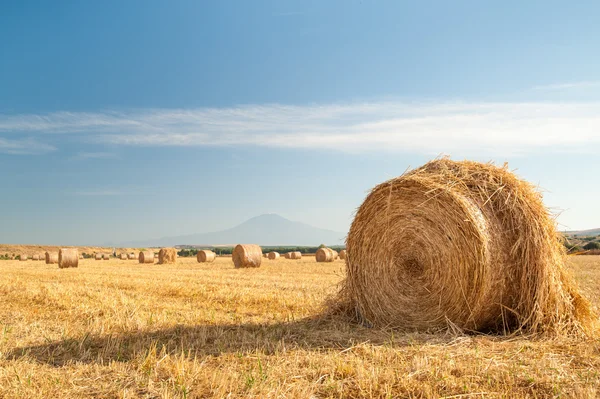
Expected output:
(430, 128)
(94, 155)
(571, 85)
(27, 146)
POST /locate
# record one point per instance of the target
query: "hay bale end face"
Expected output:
(167, 255)
(51, 258)
(273, 255)
(463, 244)
(325, 255)
(68, 257)
(342, 254)
(205, 255)
(146, 257)
(247, 255)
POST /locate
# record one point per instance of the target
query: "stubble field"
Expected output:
(119, 329)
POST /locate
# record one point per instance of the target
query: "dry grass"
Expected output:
(120, 329)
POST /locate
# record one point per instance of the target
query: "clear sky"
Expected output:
(133, 120)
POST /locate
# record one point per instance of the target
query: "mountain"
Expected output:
(269, 229)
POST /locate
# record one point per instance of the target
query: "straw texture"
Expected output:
(206, 256)
(247, 255)
(325, 255)
(68, 257)
(146, 257)
(460, 244)
(51, 258)
(167, 255)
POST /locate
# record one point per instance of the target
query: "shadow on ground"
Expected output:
(315, 334)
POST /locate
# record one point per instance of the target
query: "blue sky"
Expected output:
(133, 120)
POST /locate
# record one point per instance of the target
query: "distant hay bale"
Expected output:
(342, 254)
(460, 245)
(131, 256)
(287, 255)
(51, 258)
(123, 256)
(296, 255)
(325, 255)
(146, 257)
(106, 257)
(335, 254)
(68, 257)
(23, 257)
(273, 255)
(167, 255)
(247, 255)
(35, 257)
(205, 255)
(98, 256)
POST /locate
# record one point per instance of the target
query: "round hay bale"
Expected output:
(296, 255)
(68, 257)
(205, 255)
(325, 255)
(123, 256)
(335, 254)
(167, 255)
(287, 255)
(106, 257)
(146, 257)
(460, 244)
(51, 258)
(342, 254)
(35, 257)
(23, 257)
(273, 255)
(131, 256)
(98, 256)
(247, 255)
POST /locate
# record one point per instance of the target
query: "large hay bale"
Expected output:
(325, 255)
(296, 255)
(131, 256)
(167, 255)
(342, 254)
(146, 257)
(68, 257)
(273, 255)
(247, 255)
(98, 256)
(51, 258)
(205, 255)
(460, 244)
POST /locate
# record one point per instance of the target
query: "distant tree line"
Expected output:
(185, 252)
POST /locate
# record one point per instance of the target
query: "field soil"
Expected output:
(120, 329)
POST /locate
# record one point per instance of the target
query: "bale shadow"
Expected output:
(313, 334)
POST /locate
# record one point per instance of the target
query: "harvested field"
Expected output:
(122, 329)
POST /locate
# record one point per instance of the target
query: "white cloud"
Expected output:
(431, 128)
(571, 85)
(28, 146)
